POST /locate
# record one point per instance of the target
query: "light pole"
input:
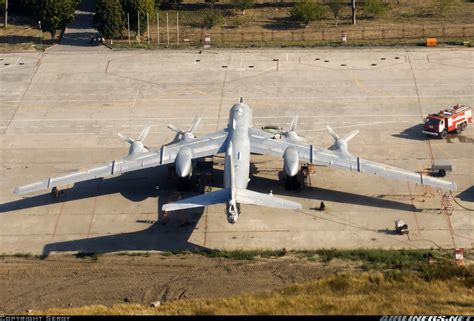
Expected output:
(41, 34)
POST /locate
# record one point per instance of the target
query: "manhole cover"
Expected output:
(374, 65)
(317, 59)
(326, 60)
(224, 66)
(251, 66)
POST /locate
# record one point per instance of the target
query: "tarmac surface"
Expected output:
(61, 110)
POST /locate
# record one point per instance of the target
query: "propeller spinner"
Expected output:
(341, 143)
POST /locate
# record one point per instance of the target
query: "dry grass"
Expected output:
(364, 293)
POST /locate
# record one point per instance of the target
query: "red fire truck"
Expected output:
(448, 120)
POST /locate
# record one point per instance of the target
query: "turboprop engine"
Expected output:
(136, 145)
(291, 162)
(183, 163)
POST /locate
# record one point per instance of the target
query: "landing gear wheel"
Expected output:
(444, 134)
(442, 173)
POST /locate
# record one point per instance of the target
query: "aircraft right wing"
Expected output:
(201, 147)
(338, 156)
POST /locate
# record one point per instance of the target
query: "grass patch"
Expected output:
(145, 254)
(87, 255)
(382, 259)
(361, 293)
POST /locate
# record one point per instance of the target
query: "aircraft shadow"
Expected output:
(265, 185)
(171, 232)
(467, 195)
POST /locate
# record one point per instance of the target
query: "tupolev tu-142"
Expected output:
(238, 141)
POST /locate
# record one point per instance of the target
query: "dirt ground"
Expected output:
(67, 281)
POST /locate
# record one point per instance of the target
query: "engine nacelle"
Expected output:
(183, 163)
(291, 161)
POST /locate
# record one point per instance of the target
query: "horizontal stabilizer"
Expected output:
(245, 196)
(220, 196)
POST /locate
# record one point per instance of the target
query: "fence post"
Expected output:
(222, 35)
(423, 31)
(323, 37)
(272, 34)
(242, 35)
(403, 31)
(261, 39)
(383, 32)
(443, 31)
(363, 33)
(302, 35)
(464, 31)
(292, 36)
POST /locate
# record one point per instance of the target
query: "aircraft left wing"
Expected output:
(200, 147)
(263, 143)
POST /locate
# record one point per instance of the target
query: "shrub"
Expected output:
(307, 11)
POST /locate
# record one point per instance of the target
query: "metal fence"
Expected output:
(252, 35)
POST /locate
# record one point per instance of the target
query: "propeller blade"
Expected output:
(195, 124)
(125, 138)
(333, 133)
(144, 134)
(294, 124)
(351, 135)
(175, 129)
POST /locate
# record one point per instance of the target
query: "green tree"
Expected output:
(109, 18)
(375, 8)
(211, 18)
(243, 5)
(55, 14)
(336, 6)
(307, 11)
(133, 7)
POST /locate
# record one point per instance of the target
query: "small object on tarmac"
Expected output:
(439, 167)
(322, 207)
(401, 227)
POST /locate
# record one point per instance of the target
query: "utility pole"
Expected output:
(354, 12)
(148, 28)
(128, 22)
(167, 29)
(158, 26)
(6, 14)
(138, 26)
(177, 27)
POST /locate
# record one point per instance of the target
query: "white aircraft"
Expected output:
(237, 141)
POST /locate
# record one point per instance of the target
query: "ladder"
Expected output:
(447, 203)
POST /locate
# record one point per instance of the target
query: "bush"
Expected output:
(307, 11)
(55, 14)
(212, 18)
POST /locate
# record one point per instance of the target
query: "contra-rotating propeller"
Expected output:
(136, 146)
(186, 134)
(288, 134)
(340, 144)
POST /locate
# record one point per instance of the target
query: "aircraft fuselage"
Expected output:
(237, 158)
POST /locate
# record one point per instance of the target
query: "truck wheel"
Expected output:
(458, 129)
(442, 173)
(444, 134)
(463, 126)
